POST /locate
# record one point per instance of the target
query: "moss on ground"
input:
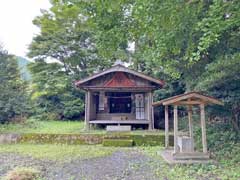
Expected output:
(86, 139)
(141, 139)
(77, 139)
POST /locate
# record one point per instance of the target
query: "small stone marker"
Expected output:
(185, 144)
(9, 138)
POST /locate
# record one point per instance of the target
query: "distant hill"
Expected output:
(22, 63)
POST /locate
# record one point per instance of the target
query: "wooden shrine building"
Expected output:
(119, 96)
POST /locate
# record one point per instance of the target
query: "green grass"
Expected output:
(57, 151)
(61, 127)
(50, 127)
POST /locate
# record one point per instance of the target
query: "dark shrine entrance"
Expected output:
(120, 102)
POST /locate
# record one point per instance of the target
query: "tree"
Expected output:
(13, 97)
(222, 79)
(65, 37)
(52, 92)
(218, 52)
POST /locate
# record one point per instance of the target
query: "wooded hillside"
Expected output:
(192, 45)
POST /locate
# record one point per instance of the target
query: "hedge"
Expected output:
(118, 142)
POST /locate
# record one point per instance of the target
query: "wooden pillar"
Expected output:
(85, 117)
(166, 128)
(150, 111)
(87, 109)
(190, 124)
(175, 121)
(203, 125)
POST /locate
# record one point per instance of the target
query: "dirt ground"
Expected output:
(127, 165)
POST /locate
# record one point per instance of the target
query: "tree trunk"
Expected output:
(234, 121)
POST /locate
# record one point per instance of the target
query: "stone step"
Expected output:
(193, 155)
(122, 128)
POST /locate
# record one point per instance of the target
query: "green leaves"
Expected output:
(65, 36)
(73, 107)
(13, 97)
(53, 93)
(222, 18)
(220, 72)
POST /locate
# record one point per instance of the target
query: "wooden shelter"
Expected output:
(184, 145)
(119, 96)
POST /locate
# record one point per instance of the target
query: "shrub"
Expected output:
(223, 141)
(118, 142)
(23, 173)
(73, 108)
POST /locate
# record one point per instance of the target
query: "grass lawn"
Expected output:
(52, 127)
(59, 127)
(58, 151)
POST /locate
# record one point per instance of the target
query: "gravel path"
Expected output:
(127, 165)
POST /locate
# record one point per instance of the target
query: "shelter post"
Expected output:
(166, 128)
(203, 125)
(175, 120)
(87, 109)
(190, 124)
(150, 110)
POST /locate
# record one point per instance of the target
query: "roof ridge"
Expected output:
(126, 69)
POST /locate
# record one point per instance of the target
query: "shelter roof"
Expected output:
(189, 98)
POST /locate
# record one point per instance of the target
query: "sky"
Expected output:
(16, 28)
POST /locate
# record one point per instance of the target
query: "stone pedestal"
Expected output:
(118, 128)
